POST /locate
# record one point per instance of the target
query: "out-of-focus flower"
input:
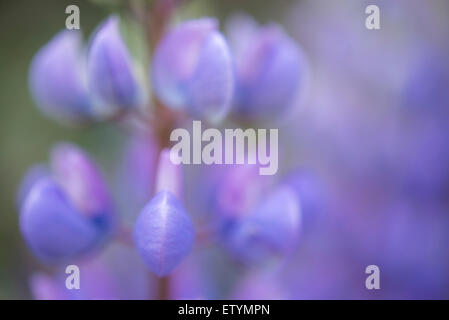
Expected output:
(237, 189)
(43, 287)
(52, 226)
(259, 285)
(192, 280)
(58, 80)
(118, 273)
(271, 229)
(68, 213)
(311, 194)
(270, 68)
(192, 70)
(426, 88)
(114, 81)
(163, 233)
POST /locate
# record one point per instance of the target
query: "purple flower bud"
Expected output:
(52, 226)
(272, 227)
(192, 70)
(270, 68)
(163, 233)
(113, 76)
(57, 78)
(67, 212)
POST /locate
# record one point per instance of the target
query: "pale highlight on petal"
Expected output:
(169, 175)
(192, 70)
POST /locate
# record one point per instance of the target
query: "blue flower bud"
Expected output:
(163, 233)
(66, 212)
(192, 70)
(113, 75)
(58, 81)
(52, 227)
(270, 68)
(272, 228)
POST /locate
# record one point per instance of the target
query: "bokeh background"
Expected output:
(371, 129)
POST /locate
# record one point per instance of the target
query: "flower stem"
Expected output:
(154, 19)
(164, 288)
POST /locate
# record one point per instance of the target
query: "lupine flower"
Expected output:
(58, 80)
(377, 132)
(163, 233)
(67, 213)
(272, 228)
(192, 70)
(270, 68)
(114, 81)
